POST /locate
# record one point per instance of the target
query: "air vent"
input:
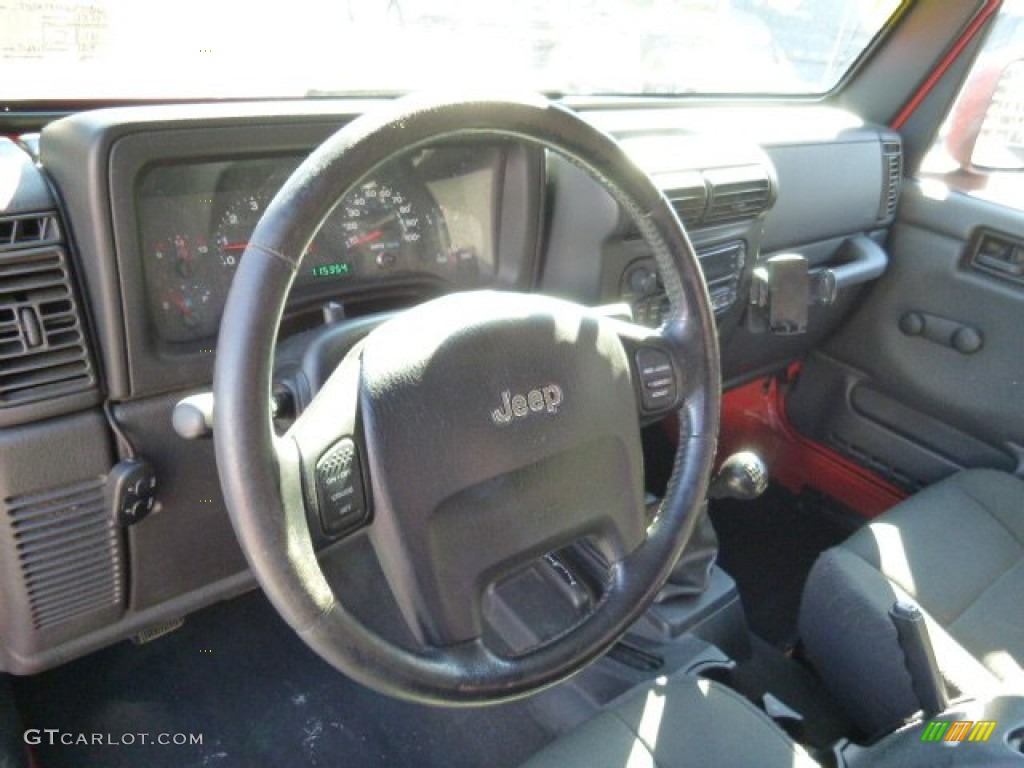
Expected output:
(689, 204)
(68, 552)
(892, 171)
(42, 342)
(28, 231)
(737, 193)
(687, 192)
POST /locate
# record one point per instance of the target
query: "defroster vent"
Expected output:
(68, 551)
(28, 231)
(43, 352)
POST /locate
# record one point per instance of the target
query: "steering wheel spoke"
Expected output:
(330, 454)
(440, 571)
(660, 383)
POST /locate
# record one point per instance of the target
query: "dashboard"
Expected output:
(123, 232)
(171, 195)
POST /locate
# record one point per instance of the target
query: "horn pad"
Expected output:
(495, 432)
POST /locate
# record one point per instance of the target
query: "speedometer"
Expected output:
(378, 223)
(378, 228)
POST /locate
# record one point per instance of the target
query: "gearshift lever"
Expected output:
(694, 583)
(742, 476)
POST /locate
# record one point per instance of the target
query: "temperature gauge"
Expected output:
(181, 255)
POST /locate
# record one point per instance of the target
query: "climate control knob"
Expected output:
(643, 281)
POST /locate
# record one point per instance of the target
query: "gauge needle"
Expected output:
(369, 237)
(181, 304)
(183, 252)
(235, 247)
(186, 259)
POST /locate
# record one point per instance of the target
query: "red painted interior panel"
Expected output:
(989, 10)
(754, 418)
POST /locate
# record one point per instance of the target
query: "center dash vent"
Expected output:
(737, 193)
(68, 551)
(717, 196)
(688, 194)
(689, 204)
(892, 173)
(43, 351)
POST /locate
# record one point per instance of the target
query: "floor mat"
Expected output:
(768, 547)
(239, 678)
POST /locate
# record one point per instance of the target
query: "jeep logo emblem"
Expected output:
(546, 398)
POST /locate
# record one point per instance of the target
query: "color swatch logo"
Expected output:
(958, 730)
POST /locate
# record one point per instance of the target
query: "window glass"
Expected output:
(980, 147)
(82, 49)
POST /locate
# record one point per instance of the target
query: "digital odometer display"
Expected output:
(340, 269)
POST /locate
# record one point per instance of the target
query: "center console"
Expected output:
(969, 733)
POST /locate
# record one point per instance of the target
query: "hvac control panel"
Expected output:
(722, 265)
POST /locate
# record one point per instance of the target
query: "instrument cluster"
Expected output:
(429, 215)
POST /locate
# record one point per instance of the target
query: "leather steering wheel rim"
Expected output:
(261, 474)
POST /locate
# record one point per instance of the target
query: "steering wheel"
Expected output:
(482, 429)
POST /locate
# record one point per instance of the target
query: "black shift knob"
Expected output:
(742, 476)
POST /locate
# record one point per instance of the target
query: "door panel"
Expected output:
(927, 376)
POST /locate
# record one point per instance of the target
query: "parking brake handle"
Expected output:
(919, 657)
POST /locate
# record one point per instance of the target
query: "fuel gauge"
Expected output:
(187, 311)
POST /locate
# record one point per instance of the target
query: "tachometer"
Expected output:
(235, 228)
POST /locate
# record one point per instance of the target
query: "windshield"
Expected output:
(53, 50)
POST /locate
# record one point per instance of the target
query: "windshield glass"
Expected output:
(133, 49)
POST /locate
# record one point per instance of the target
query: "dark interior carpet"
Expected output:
(768, 546)
(12, 745)
(237, 675)
(769, 670)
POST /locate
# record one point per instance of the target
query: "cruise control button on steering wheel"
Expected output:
(339, 488)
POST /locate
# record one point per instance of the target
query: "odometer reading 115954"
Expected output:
(336, 269)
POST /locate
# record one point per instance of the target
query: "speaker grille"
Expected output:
(66, 544)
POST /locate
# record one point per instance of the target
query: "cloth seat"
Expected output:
(674, 723)
(957, 550)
